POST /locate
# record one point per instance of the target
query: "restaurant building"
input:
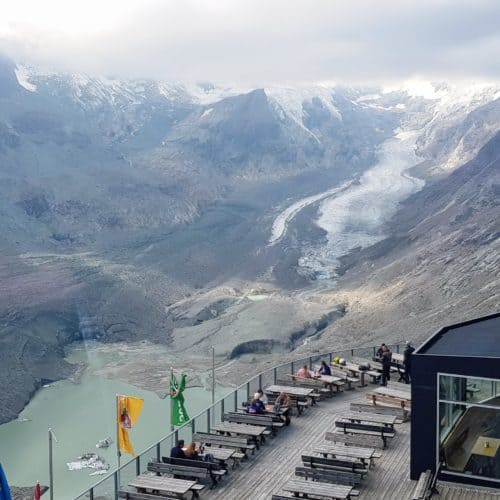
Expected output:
(456, 403)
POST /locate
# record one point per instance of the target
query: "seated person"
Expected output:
(256, 406)
(191, 452)
(177, 451)
(304, 372)
(324, 369)
(262, 397)
(283, 401)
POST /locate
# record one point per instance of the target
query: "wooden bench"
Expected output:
(128, 495)
(329, 476)
(349, 381)
(299, 403)
(355, 439)
(196, 470)
(400, 413)
(263, 420)
(317, 489)
(349, 427)
(426, 486)
(237, 442)
(388, 400)
(309, 382)
(340, 464)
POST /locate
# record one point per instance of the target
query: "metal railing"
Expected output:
(108, 487)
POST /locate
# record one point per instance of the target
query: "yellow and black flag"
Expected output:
(129, 408)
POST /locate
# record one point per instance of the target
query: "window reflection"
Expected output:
(469, 431)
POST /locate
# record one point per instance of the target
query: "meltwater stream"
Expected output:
(81, 414)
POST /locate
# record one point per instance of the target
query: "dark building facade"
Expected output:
(456, 403)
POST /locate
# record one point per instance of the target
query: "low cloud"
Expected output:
(261, 41)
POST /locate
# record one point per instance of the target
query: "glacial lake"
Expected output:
(80, 415)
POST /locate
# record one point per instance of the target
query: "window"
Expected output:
(469, 426)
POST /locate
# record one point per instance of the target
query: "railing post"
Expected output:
(293, 371)
(208, 420)
(91, 494)
(275, 375)
(310, 362)
(352, 353)
(397, 348)
(260, 381)
(236, 400)
(117, 486)
(221, 410)
(158, 452)
(138, 465)
(374, 351)
(330, 357)
(248, 391)
(176, 437)
(193, 426)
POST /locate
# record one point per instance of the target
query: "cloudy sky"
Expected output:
(258, 41)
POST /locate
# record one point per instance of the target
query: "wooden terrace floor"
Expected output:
(271, 466)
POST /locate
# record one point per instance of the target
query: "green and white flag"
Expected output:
(179, 414)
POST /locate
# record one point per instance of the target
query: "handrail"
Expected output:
(274, 368)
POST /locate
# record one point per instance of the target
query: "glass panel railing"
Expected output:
(104, 490)
(231, 402)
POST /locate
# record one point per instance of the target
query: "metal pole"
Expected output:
(118, 453)
(213, 374)
(172, 428)
(51, 467)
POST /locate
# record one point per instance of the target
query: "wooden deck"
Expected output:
(274, 464)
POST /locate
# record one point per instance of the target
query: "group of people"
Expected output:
(384, 355)
(189, 452)
(260, 401)
(304, 372)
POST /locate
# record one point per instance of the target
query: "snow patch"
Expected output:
(22, 75)
(206, 112)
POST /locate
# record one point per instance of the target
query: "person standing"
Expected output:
(386, 365)
(408, 352)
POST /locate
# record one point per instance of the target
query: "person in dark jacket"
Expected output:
(324, 369)
(386, 365)
(177, 451)
(380, 351)
(256, 406)
(407, 361)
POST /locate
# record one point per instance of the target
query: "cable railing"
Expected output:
(109, 486)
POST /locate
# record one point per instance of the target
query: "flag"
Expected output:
(179, 414)
(4, 487)
(38, 493)
(129, 409)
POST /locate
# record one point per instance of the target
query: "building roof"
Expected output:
(479, 337)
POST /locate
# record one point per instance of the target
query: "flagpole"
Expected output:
(172, 428)
(213, 375)
(118, 453)
(51, 467)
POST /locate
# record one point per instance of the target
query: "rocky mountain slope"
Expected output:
(440, 263)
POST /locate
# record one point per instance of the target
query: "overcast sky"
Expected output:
(258, 41)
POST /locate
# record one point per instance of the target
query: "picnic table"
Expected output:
(168, 485)
(398, 358)
(290, 390)
(390, 396)
(220, 454)
(355, 371)
(395, 393)
(331, 381)
(255, 432)
(322, 490)
(357, 416)
(362, 454)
